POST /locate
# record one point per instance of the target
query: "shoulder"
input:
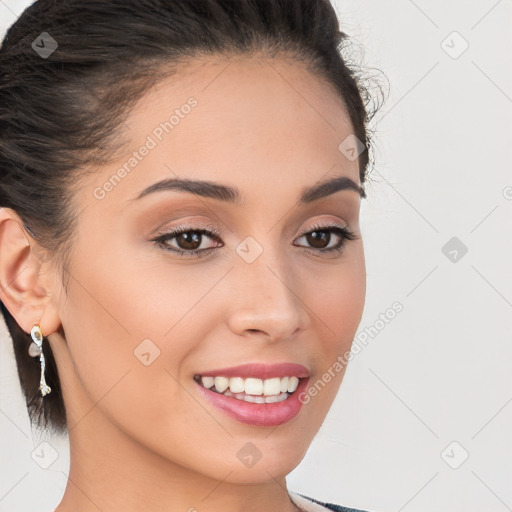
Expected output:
(313, 505)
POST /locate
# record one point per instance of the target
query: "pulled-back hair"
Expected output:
(60, 112)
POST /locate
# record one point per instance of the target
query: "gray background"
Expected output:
(433, 386)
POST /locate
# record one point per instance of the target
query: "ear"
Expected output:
(27, 280)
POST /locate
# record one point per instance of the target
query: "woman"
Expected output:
(180, 190)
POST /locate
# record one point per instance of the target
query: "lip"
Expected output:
(262, 415)
(260, 371)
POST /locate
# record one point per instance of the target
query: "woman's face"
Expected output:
(141, 320)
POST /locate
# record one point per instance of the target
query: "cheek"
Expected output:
(336, 294)
(137, 322)
(110, 311)
(127, 368)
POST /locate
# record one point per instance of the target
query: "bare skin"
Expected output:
(143, 437)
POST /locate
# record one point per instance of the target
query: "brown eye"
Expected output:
(189, 241)
(320, 238)
(186, 241)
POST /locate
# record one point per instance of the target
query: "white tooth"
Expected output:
(236, 384)
(292, 385)
(253, 386)
(272, 386)
(257, 399)
(221, 384)
(276, 398)
(207, 382)
(284, 384)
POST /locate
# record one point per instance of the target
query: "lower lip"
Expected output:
(262, 415)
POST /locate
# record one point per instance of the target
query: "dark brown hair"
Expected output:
(61, 112)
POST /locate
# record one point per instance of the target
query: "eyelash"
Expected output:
(343, 232)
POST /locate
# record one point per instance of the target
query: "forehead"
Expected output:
(251, 122)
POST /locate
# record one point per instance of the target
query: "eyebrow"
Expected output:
(232, 195)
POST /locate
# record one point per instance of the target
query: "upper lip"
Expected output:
(260, 371)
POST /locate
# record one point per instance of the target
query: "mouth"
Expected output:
(251, 389)
(257, 394)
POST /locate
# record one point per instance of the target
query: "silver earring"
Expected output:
(36, 349)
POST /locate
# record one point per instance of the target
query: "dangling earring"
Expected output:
(36, 349)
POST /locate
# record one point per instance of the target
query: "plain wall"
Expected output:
(432, 386)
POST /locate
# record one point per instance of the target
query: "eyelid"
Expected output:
(213, 233)
(187, 227)
(321, 225)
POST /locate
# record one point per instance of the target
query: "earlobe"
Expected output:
(25, 288)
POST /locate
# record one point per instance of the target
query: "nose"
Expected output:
(267, 299)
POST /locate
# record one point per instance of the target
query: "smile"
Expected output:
(253, 390)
